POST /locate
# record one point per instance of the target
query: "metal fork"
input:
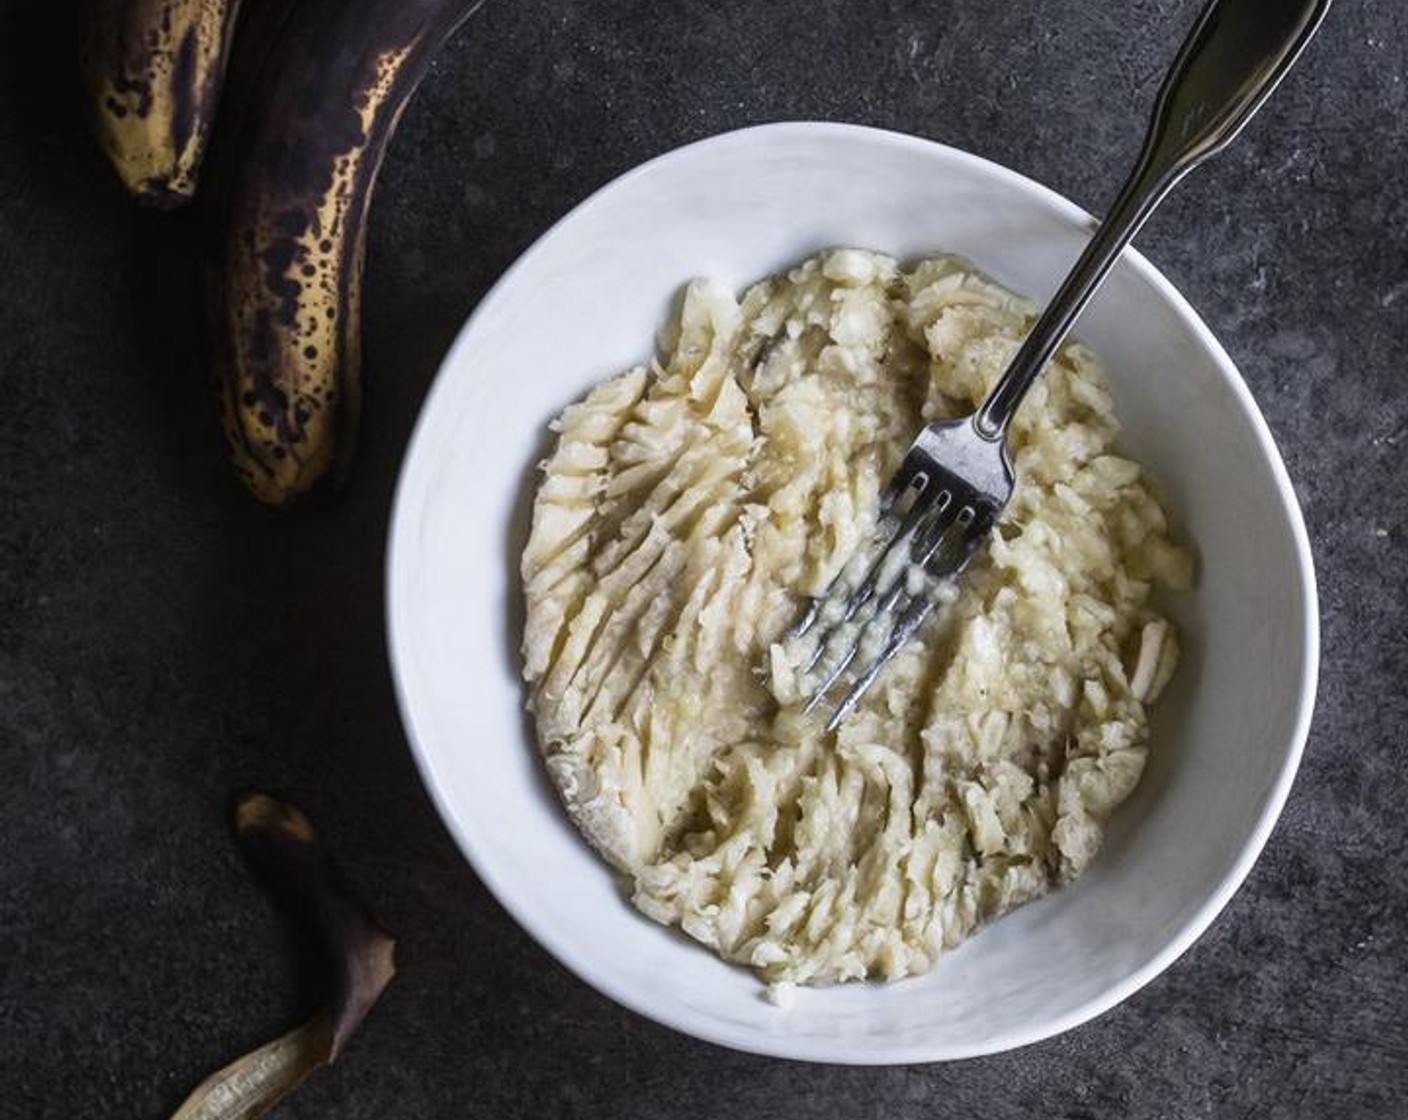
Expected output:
(957, 476)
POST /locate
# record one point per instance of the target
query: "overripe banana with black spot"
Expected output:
(154, 69)
(287, 331)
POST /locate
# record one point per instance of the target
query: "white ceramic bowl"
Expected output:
(584, 303)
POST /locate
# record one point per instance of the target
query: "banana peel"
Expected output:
(283, 849)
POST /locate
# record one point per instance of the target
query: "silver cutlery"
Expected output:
(957, 476)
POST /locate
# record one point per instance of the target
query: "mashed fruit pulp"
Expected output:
(691, 507)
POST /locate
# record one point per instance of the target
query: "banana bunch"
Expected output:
(324, 85)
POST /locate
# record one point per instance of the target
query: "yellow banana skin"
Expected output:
(153, 69)
(287, 307)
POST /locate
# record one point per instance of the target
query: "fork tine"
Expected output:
(909, 623)
(902, 482)
(927, 539)
(923, 535)
(907, 535)
(940, 534)
(832, 675)
(883, 612)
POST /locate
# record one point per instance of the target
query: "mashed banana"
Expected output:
(688, 511)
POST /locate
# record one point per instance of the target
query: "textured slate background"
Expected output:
(165, 642)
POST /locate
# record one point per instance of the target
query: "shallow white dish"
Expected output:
(584, 303)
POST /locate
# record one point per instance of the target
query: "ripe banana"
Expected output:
(287, 306)
(153, 70)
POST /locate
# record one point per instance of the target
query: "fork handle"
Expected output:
(1229, 64)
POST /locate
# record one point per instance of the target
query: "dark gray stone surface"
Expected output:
(165, 642)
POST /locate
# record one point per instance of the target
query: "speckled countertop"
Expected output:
(165, 642)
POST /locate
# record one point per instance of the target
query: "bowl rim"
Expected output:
(781, 1045)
